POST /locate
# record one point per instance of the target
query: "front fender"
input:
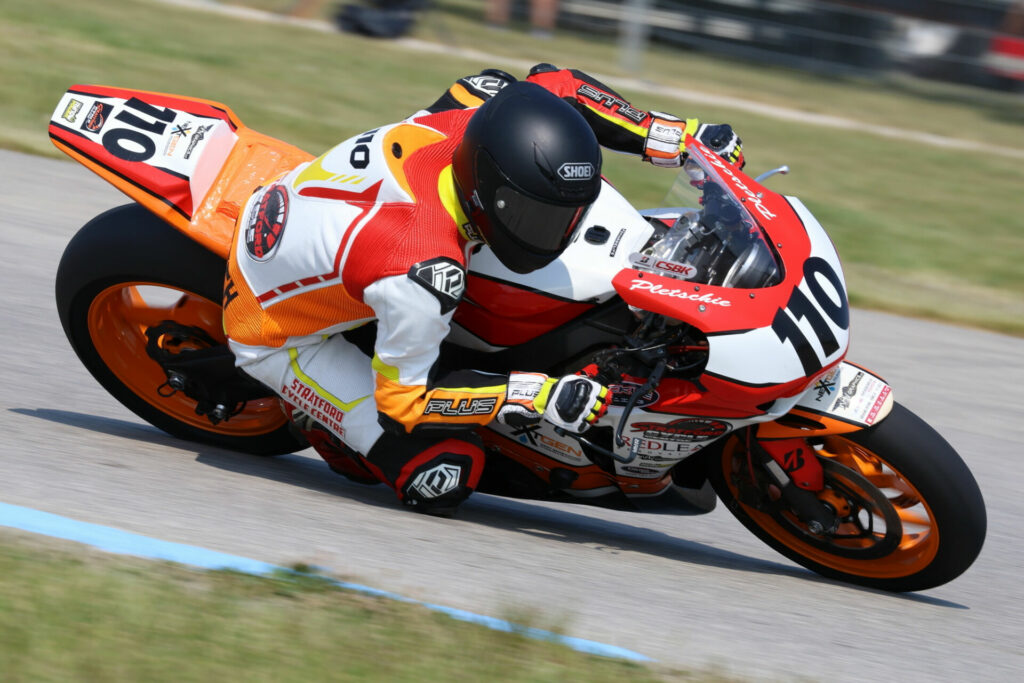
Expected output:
(846, 399)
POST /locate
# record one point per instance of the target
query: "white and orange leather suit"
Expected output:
(373, 230)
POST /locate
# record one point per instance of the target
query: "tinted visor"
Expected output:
(535, 225)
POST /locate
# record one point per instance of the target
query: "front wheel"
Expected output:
(128, 281)
(911, 515)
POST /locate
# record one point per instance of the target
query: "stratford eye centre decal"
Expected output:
(689, 429)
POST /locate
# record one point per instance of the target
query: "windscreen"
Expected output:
(716, 243)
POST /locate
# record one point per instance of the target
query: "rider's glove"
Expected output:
(722, 140)
(667, 135)
(571, 402)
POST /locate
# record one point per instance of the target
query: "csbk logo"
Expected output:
(576, 170)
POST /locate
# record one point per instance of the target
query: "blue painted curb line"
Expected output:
(125, 543)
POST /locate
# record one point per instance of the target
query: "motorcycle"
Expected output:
(721, 326)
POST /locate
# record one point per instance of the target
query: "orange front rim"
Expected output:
(880, 512)
(118, 319)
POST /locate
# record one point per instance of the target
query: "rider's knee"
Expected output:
(430, 475)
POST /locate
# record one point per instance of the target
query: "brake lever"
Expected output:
(652, 381)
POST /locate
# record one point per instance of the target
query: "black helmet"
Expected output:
(526, 170)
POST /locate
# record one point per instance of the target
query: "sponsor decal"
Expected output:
(653, 288)
(531, 435)
(489, 85)
(621, 393)
(267, 219)
(524, 386)
(674, 269)
(612, 102)
(641, 471)
(460, 407)
(576, 170)
(753, 198)
(197, 137)
(71, 111)
(615, 244)
(825, 386)
(687, 429)
(654, 460)
(97, 116)
(442, 277)
(315, 405)
(849, 391)
(472, 234)
(179, 131)
(437, 481)
(793, 460)
(657, 451)
(879, 402)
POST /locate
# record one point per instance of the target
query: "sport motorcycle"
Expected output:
(721, 326)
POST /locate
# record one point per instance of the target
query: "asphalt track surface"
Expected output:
(686, 591)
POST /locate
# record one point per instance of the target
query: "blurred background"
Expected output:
(980, 42)
(902, 120)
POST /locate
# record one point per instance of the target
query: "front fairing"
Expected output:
(783, 334)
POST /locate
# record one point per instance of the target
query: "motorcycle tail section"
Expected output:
(189, 161)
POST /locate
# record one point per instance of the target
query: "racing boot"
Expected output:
(432, 476)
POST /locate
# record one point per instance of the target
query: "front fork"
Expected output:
(795, 476)
(846, 399)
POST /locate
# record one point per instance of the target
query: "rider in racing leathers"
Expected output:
(380, 228)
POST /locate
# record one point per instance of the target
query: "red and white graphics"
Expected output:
(169, 148)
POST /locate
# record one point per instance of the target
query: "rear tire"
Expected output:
(926, 516)
(104, 316)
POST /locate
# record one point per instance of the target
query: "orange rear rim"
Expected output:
(118, 319)
(899, 521)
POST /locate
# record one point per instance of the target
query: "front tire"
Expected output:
(127, 271)
(912, 515)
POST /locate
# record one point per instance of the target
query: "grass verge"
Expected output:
(922, 230)
(86, 615)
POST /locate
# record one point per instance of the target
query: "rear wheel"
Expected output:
(910, 513)
(128, 273)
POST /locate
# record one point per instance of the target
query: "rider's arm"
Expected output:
(472, 91)
(415, 397)
(618, 125)
(412, 320)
